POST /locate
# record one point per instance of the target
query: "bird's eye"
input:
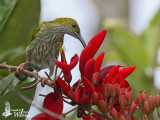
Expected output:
(73, 25)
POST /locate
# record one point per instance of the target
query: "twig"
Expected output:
(70, 111)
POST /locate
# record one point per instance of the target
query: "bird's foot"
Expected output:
(21, 66)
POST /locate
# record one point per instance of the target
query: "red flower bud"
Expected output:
(133, 106)
(151, 102)
(122, 102)
(147, 108)
(121, 117)
(157, 100)
(114, 90)
(145, 97)
(95, 98)
(113, 112)
(129, 97)
(106, 90)
(68, 77)
(140, 101)
(95, 78)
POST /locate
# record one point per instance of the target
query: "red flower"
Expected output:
(54, 104)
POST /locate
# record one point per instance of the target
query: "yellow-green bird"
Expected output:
(44, 45)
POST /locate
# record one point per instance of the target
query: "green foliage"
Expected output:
(6, 7)
(140, 51)
(18, 25)
(16, 102)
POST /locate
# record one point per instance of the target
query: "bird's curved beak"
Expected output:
(81, 39)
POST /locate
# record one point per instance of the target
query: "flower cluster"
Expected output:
(105, 88)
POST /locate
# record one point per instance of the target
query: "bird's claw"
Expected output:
(43, 80)
(21, 66)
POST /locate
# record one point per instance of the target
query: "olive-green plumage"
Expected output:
(44, 45)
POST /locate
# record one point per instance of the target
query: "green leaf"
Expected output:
(6, 7)
(150, 38)
(129, 48)
(10, 79)
(20, 26)
(16, 103)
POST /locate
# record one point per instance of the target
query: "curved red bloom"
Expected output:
(84, 57)
(81, 96)
(98, 62)
(113, 72)
(89, 69)
(52, 103)
(97, 40)
(68, 67)
(87, 84)
(126, 71)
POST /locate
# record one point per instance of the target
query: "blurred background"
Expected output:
(133, 36)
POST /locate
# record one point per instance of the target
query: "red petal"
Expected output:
(64, 66)
(40, 116)
(74, 61)
(98, 62)
(105, 71)
(98, 88)
(89, 69)
(97, 40)
(124, 84)
(126, 71)
(88, 118)
(87, 84)
(54, 104)
(85, 56)
(118, 79)
(112, 74)
(63, 85)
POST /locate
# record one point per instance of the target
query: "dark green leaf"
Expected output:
(6, 7)
(20, 26)
(16, 104)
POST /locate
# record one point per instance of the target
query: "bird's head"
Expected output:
(71, 27)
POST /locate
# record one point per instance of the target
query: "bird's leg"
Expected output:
(21, 66)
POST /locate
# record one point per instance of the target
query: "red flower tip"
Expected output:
(145, 96)
(74, 61)
(63, 85)
(98, 62)
(114, 90)
(95, 98)
(124, 84)
(102, 106)
(112, 74)
(129, 97)
(84, 57)
(87, 84)
(64, 66)
(89, 69)
(126, 71)
(97, 40)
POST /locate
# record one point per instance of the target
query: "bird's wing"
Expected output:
(36, 31)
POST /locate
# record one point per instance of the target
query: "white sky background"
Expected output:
(86, 14)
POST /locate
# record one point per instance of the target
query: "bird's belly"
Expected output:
(42, 55)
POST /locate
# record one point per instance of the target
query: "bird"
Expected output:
(46, 41)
